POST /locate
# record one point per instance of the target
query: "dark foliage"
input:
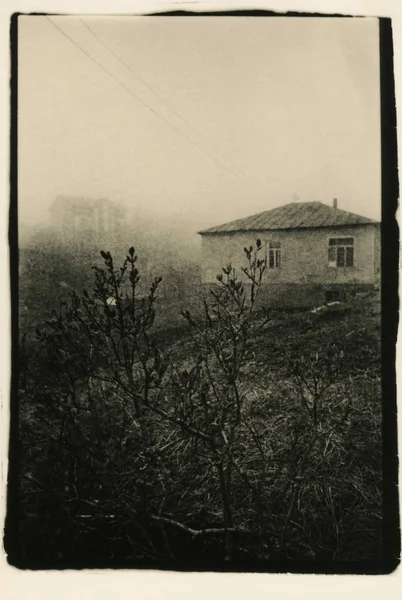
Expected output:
(241, 437)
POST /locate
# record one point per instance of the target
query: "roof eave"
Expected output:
(229, 232)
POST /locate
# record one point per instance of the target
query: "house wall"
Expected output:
(304, 256)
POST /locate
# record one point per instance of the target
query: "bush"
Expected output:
(241, 440)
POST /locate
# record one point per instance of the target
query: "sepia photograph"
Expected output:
(204, 268)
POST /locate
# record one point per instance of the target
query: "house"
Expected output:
(86, 222)
(314, 252)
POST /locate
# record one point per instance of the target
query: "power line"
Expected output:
(169, 106)
(123, 62)
(101, 66)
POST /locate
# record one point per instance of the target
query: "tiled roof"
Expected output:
(292, 216)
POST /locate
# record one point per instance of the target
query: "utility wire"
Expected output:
(123, 62)
(169, 106)
(101, 66)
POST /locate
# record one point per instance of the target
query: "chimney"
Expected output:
(335, 203)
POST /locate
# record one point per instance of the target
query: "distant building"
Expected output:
(86, 223)
(314, 252)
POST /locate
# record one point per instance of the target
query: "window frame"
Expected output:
(276, 254)
(332, 296)
(347, 249)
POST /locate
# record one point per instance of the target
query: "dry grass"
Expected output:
(301, 488)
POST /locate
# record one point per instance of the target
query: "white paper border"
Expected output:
(152, 585)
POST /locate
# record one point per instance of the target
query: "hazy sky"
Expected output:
(213, 119)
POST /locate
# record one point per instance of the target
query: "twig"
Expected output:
(197, 532)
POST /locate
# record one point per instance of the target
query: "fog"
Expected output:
(193, 122)
(159, 422)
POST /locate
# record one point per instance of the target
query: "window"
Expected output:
(341, 252)
(273, 255)
(332, 296)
